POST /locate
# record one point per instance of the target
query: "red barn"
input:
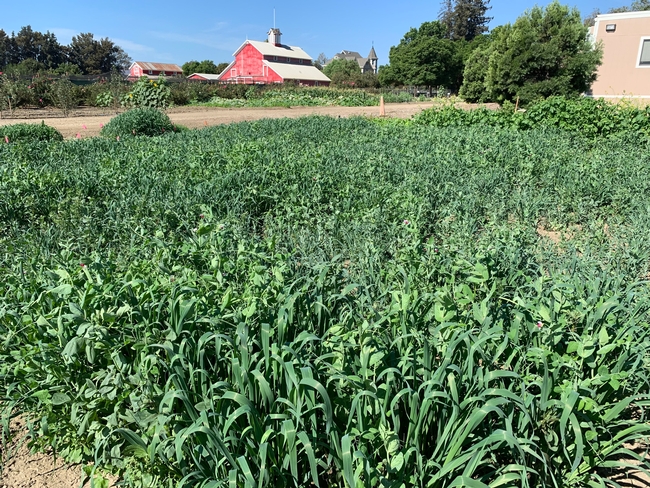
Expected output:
(154, 70)
(266, 62)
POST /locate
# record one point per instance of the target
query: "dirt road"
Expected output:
(87, 121)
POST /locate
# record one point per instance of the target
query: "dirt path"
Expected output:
(87, 122)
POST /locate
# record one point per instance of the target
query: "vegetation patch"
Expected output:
(329, 301)
(149, 122)
(28, 133)
(586, 116)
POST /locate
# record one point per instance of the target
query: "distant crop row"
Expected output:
(330, 301)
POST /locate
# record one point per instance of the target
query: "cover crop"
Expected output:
(329, 301)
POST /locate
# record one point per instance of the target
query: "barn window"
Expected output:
(644, 54)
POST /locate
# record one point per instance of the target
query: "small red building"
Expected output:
(266, 62)
(154, 70)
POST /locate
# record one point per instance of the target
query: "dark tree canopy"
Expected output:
(97, 56)
(342, 70)
(424, 57)
(206, 66)
(33, 50)
(545, 52)
(465, 19)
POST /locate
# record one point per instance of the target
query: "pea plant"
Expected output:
(336, 302)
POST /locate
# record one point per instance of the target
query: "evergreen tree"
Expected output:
(465, 19)
(545, 52)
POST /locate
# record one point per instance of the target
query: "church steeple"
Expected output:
(372, 59)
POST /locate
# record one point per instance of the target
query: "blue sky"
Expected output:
(179, 31)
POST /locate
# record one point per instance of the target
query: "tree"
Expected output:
(205, 66)
(97, 56)
(545, 52)
(465, 19)
(221, 67)
(5, 49)
(343, 71)
(590, 19)
(321, 61)
(424, 57)
(636, 6)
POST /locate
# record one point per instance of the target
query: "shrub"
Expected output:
(29, 133)
(65, 95)
(139, 122)
(148, 93)
(586, 116)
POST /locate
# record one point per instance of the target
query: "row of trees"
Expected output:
(206, 66)
(545, 52)
(31, 51)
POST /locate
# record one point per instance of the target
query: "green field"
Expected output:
(341, 302)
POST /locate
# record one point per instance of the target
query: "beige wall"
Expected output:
(620, 75)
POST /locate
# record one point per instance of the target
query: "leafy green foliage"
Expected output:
(545, 52)
(26, 133)
(64, 95)
(148, 93)
(330, 301)
(307, 96)
(424, 57)
(342, 71)
(205, 66)
(586, 116)
(138, 122)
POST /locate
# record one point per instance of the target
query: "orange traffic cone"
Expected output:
(382, 108)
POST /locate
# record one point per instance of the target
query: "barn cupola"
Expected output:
(274, 37)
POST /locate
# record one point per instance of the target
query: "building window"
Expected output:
(610, 28)
(275, 58)
(150, 72)
(644, 55)
(300, 61)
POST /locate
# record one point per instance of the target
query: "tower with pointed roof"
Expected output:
(372, 59)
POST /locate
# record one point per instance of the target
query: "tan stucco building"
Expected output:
(625, 72)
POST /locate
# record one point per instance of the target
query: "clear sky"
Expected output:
(181, 30)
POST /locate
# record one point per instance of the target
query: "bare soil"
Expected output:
(87, 121)
(20, 468)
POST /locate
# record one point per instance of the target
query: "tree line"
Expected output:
(30, 51)
(546, 51)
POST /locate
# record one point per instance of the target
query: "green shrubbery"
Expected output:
(28, 133)
(586, 116)
(288, 96)
(139, 122)
(148, 93)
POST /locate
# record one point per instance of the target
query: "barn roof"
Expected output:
(268, 49)
(297, 71)
(145, 65)
(206, 76)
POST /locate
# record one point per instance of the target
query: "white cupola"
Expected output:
(274, 37)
